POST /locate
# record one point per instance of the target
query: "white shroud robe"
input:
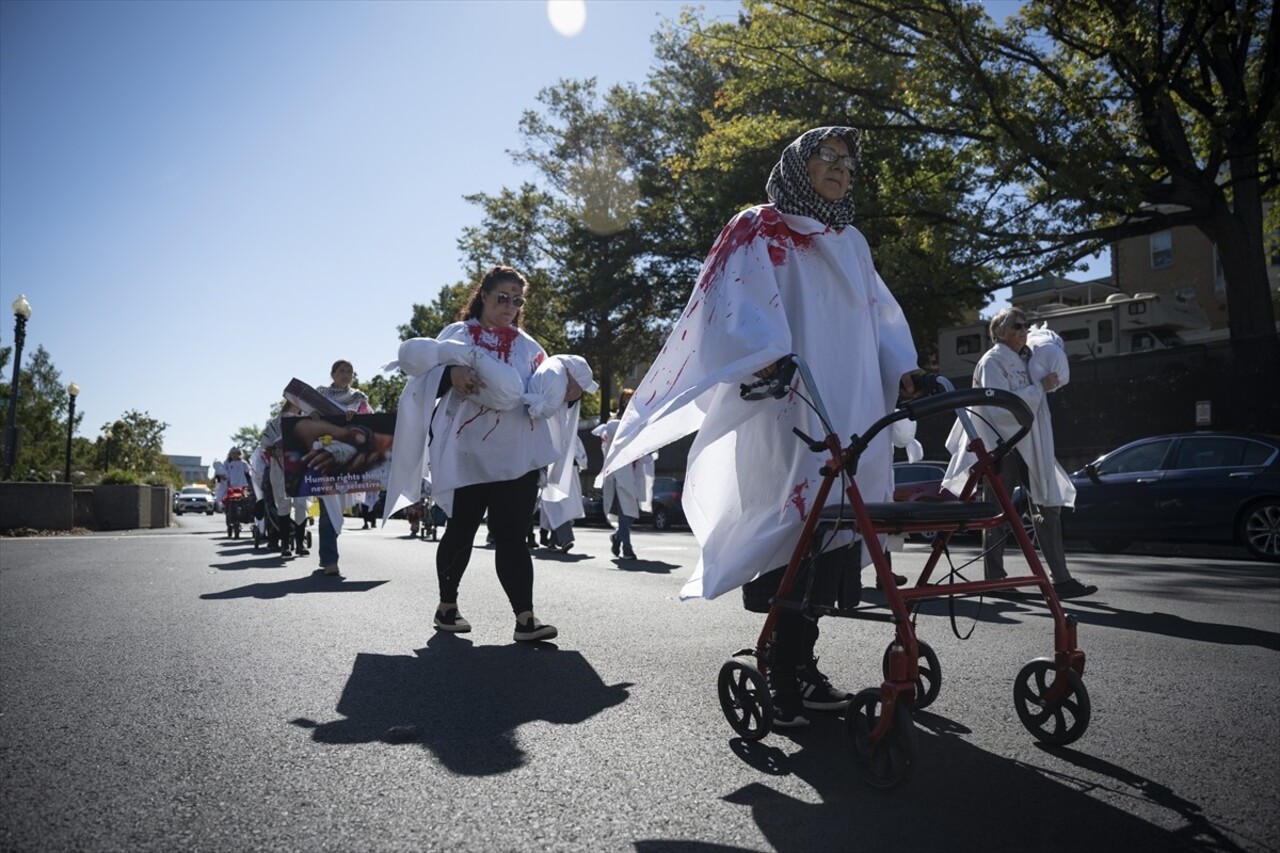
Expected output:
(470, 442)
(1001, 367)
(773, 284)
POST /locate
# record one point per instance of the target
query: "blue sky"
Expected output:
(202, 200)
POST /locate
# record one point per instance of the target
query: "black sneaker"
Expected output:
(817, 692)
(532, 630)
(1074, 589)
(788, 711)
(898, 580)
(613, 544)
(451, 620)
(627, 553)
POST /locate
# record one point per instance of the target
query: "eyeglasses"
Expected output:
(830, 155)
(1017, 327)
(504, 298)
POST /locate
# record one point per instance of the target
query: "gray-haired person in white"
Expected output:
(1004, 366)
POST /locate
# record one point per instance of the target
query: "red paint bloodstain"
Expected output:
(498, 340)
(764, 222)
(797, 499)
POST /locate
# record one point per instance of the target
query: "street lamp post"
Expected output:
(73, 390)
(108, 448)
(21, 312)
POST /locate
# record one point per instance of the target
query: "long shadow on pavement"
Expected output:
(463, 702)
(1171, 625)
(654, 567)
(315, 582)
(959, 798)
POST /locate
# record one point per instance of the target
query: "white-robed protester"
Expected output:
(1005, 366)
(549, 388)
(792, 276)
(627, 491)
(219, 477)
(479, 446)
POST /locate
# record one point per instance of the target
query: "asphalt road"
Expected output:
(172, 690)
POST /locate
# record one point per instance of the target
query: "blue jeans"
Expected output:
(624, 531)
(328, 538)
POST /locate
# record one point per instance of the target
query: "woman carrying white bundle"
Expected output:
(479, 446)
(1005, 366)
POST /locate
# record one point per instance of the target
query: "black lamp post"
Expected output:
(21, 311)
(73, 390)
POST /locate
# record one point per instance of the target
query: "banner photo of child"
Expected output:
(334, 455)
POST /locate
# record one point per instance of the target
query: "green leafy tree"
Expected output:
(41, 419)
(137, 447)
(384, 392)
(1072, 127)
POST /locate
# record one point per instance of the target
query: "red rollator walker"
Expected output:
(1048, 693)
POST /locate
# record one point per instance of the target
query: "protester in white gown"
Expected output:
(792, 276)
(1008, 366)
(480, 446)
(628, 491)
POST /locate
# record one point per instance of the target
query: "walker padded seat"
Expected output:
(891, 517)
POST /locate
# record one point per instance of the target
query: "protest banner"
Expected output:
(332, 455)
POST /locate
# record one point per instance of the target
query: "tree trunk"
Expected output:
(1237, 231)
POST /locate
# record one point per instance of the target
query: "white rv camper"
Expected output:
(1122, 324)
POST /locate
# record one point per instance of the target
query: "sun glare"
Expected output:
(567, 16)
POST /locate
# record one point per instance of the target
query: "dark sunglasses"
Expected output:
(504, 298)
(1017, 327)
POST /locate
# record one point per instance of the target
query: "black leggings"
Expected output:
(510, 504)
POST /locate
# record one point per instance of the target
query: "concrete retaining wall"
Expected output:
(41, 506)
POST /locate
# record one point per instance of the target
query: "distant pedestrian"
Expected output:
(627, 491)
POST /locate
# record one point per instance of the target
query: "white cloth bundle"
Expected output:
(1048, 354)
(550, 382)
(904, 436)
(502, 385)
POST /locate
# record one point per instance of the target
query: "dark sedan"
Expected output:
(1203, 487)
(667, 509)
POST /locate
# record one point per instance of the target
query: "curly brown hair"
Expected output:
(492, 278)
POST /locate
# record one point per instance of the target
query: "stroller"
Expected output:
(272, 526)
(1049, 694)
(425, 518)
(239, 510)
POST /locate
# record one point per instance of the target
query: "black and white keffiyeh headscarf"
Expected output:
(790, 189)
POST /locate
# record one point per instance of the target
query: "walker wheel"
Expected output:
(745, 699)
(883, 764)
(1060, 724)
(928, 674)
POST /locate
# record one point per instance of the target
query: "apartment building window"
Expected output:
(967, 344)
(1161, 250)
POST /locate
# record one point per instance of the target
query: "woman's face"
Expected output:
(501, 304)
(830, 180)
(342, 375)
(1014, 334)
